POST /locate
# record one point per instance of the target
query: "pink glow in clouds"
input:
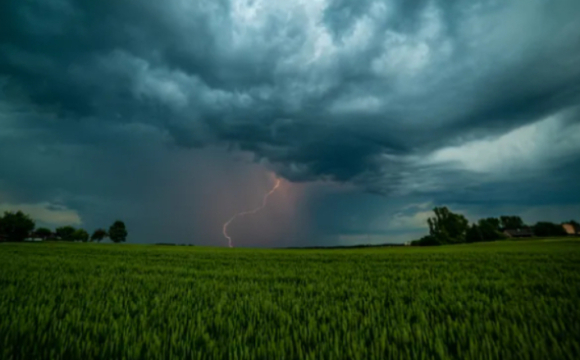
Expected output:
(244, 213)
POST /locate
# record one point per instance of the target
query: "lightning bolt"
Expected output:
(244, 213)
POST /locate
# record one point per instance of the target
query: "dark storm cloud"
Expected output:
(387, 95)
(177, 65)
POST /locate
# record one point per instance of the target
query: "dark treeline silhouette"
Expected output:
(172, 244)
(359, 246)
(17, 227)
(447, 227)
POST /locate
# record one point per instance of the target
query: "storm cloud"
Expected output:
(462, 102)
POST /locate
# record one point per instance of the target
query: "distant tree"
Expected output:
(447, 227)
(490, 229)
(81, 235)
(118, 232)
(43, 233)
(65, 233)
(545, 228)
(473, 234)
(99, 235)
(16, 226)
(485, 230)
(494, 223)
(511, 222)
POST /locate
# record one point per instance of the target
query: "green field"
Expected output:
(505, 300)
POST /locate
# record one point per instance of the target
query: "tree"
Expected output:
(473, 234)
(545, 228)
(43, 233)
(16, 226)
(447, 227)
(81, 235)
(65, 233)
(118, 232)
(511, 222)
(99, 235)
(494, 223)
(490, 229)
(485, 230)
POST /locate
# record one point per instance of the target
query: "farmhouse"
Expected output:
(571, 229)
(519, 233)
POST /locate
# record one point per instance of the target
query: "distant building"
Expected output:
(519, 233)
(570, 229)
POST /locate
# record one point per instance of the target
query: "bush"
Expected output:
(428, 240)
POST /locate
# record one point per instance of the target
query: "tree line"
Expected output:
(17, 227)
(447, 227)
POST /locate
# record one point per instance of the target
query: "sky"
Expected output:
(175, 115)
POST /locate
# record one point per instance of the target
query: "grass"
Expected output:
(504, 300)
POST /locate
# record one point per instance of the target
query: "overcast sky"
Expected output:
(174, 115)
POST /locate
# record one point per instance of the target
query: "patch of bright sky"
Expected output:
(524, 148)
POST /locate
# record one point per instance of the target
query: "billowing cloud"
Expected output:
(520, 151)
(432, 101)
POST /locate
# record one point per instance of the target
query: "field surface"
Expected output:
(505, 300)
